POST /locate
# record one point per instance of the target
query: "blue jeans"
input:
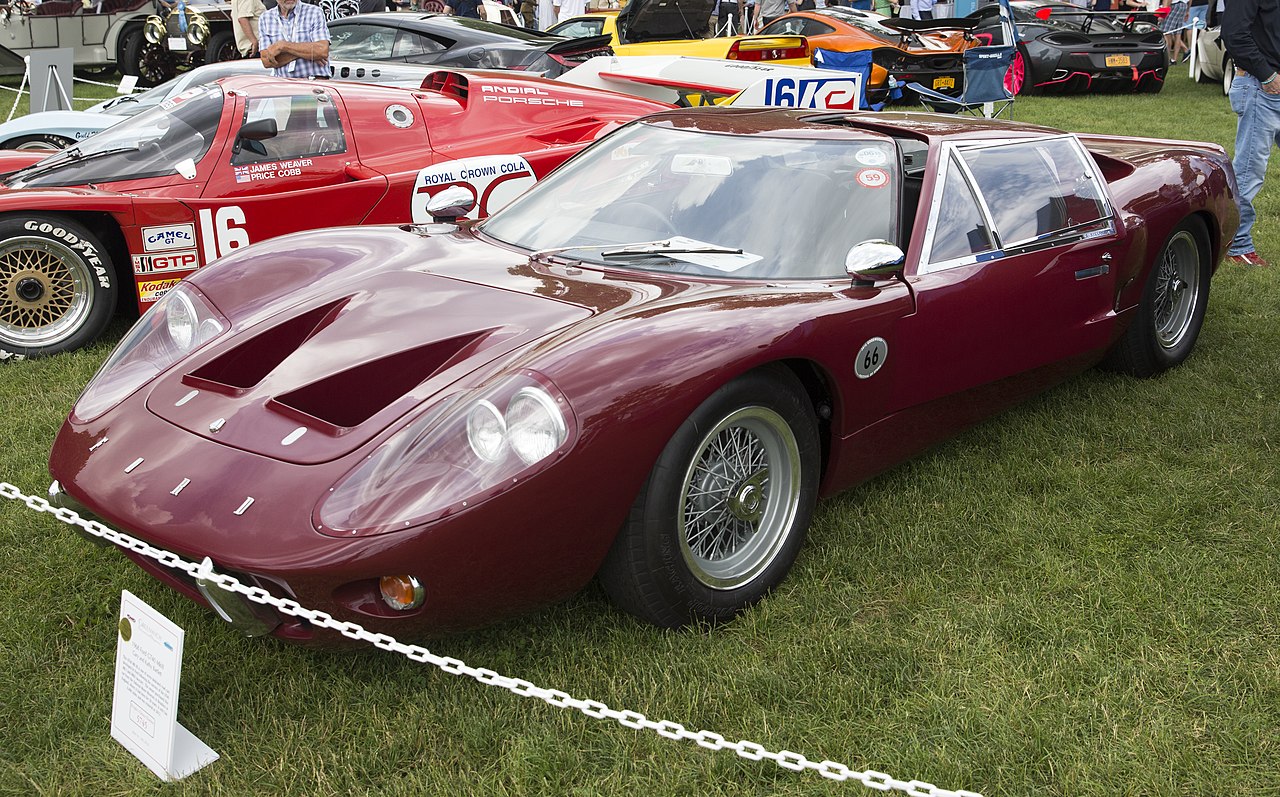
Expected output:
(1257, 131)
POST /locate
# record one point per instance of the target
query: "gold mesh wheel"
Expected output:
(46, 291)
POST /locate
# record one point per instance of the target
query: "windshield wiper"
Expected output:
(66, 156)
(670, 247)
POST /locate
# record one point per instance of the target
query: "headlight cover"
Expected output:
(181, 322)
(464, 451)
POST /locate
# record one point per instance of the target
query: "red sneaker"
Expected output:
(1247, 259)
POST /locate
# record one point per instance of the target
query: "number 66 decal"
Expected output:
(870, 357)
(223, 233)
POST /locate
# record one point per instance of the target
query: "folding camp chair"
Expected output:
(984, 92)
(860, 63)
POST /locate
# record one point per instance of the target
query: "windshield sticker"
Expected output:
(170, 236)
(717, 165)
(525, 95)
(870, 156)
(399, 116)
(168, 261)
(254, 172)
(149, 292)
(728, 262)
(873, 178)
(494, 180)
(175, 100)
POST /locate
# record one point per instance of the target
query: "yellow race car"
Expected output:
(655, 27)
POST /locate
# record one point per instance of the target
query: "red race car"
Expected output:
(648, 367)
(145, 203)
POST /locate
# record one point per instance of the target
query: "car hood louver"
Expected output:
(343, 370)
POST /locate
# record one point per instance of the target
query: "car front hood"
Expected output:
(352, 339)
(657, 20)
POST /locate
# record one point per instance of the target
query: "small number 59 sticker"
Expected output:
(870, 357)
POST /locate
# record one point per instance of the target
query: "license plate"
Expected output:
(176, 43)
(1117, 60)
(944, 83)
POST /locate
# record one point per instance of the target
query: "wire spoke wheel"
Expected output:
(740, 497)
(1176, 290)
(45, 291)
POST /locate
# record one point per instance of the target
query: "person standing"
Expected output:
(246, 14)
(1172, 26)
(769, 10)
(568, 9)
(294, 40)
(1251, 33)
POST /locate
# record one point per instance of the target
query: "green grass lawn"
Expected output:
(1078, 597)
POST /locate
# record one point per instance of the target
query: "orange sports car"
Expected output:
(928, 52)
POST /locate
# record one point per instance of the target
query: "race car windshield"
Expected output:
(150, 144)
(695, 202)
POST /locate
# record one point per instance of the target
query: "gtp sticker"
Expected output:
(873, 178)
(167, 237)
(870, 358)
(186, 260)
(494, 180)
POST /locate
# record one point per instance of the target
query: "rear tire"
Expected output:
(38, 141)
(1169, 316)
(222, 47)
(1228, 75)
(725, 509)
(57, 286)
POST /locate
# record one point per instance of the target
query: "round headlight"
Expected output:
(198, 31)
(154, 30)
(486, 431)
(183, 322)
(535, 426)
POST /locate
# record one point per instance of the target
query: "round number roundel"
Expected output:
(870, 357)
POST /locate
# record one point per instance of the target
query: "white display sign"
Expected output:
(144, 712)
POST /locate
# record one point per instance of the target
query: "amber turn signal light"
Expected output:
(401, 592)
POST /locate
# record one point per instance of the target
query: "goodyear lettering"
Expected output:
(86, 249)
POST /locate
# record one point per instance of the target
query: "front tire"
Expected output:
(725, 509)
(57, 286)
(222, 47)
(152, 63)
(1172, 308)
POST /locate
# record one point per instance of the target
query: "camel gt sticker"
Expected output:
(170, 236)
(494, 180)
(873, 178)
(870, 357)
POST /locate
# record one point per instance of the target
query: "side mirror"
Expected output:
(258, 130)
(451, 204)
(874, 260)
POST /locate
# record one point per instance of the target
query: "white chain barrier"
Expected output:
(592, 708)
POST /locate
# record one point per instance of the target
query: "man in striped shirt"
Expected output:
(294, 40)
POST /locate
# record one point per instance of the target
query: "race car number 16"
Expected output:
(223, 232)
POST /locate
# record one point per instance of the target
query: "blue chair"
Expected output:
(860, 63)
(984, 92)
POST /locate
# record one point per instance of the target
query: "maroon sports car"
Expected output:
(647, 368)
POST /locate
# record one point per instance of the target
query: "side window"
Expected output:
(361, 42)
(813, 27)
(793, 26)
(581, 28)
(961, 230)
(1036, 188)
(410, 45)
(306, 125)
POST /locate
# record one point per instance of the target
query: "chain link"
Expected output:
(591, 708)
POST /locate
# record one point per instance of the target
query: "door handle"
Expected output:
(1097, 271)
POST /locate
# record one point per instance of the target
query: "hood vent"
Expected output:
(351, 397)
(245, 365)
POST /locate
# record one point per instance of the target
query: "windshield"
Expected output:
(695, 202)
(150, 144)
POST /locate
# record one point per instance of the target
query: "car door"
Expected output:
(1015, 270)
(305, 176)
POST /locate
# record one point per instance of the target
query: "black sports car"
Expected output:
(1067, 50)
(457, 41)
